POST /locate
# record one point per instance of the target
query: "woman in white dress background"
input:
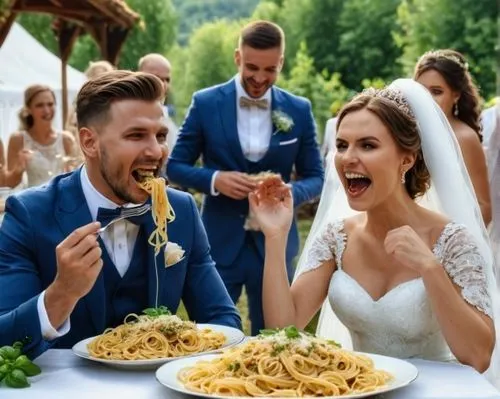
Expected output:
(37, 148)
(406, 281)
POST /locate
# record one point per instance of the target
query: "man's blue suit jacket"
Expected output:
(38, 219)
(210, 130)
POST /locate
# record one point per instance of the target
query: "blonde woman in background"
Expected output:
(94, 69)
(445, 73)
(37, 148)
(5, 174)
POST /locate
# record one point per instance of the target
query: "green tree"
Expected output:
(366, 47)
(468, 26)
(314, 22)
(208, 60)
(267, 10)
(325, 91)
(155, 34)
(194, 13)
(39, 26)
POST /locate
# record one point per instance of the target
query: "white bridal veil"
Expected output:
(451, 193)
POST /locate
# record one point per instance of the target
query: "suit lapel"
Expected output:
(227, 111)
(278, 103)
(71, 213)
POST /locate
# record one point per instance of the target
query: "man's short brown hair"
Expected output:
(96, 96)
(262, 35)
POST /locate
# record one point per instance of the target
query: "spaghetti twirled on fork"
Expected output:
(162, 211)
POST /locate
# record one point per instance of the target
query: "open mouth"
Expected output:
(357, 184)
(141, 175)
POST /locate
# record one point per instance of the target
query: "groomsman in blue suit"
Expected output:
(61, 280)
(240, 128)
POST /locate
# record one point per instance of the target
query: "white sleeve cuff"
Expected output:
(213, 191)
(48, 332)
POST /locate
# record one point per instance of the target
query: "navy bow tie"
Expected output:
(106, 215)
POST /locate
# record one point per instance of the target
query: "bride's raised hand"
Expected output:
(408, 249)
(272, 207)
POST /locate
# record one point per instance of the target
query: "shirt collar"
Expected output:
(94, 198)
(240, 91)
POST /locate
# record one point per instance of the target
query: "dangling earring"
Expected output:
(403, 177)
(455, 109)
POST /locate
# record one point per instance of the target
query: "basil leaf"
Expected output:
(2, 360)
(292, 332)
(269, 331)
(150, 312)
(17, 345)
(5, 369)
(27, 366)
(16, 379)
(155, 312)
(9, 353)
(163, 310)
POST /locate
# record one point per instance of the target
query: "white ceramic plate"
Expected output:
(404, 373)
(233, 337)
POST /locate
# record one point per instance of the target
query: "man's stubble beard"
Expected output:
(118, 191)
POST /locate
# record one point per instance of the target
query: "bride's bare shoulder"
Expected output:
(353, 222)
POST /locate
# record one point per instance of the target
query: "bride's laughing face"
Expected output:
(368, 160)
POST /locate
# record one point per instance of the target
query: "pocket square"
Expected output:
(173, 254)
(288, 142)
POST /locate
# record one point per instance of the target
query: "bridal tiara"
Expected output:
(392, 95)
(449, 57)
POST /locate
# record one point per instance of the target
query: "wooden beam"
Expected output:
(5, 27)
(116, 39)
(98, 4)
(68, 33)
(56, 11)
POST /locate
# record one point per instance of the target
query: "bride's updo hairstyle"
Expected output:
(391, 108)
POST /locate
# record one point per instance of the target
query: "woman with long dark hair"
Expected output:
(445, 73)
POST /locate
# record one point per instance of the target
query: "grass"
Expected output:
(304, 226)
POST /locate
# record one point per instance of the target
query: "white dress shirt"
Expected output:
(254, 125)
(119, 240)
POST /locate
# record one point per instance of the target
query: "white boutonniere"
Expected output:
(282, 121)
(173, 254)
(251, 223)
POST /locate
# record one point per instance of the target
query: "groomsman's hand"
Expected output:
(235, 185)
(78, 265)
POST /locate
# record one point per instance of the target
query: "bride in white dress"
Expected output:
(405, 281)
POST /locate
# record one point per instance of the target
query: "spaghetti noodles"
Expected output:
(162, 210)
(146, 337)
(285, 363)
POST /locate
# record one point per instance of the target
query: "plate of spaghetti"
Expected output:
(283, 363)
(157, 337)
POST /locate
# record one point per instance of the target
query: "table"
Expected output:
(64, 375)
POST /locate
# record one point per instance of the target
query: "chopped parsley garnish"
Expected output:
(155, 312)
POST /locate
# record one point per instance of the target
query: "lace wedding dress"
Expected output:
(401, 323)
(46, 162)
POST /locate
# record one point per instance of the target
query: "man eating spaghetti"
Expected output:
(63, 279)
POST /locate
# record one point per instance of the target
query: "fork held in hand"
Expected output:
(127, 213)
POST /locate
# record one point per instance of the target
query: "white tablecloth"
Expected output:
(66, 376)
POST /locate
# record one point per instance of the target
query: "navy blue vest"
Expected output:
(127, 294)
(255, 167)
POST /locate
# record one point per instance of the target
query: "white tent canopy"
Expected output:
(23, 62)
